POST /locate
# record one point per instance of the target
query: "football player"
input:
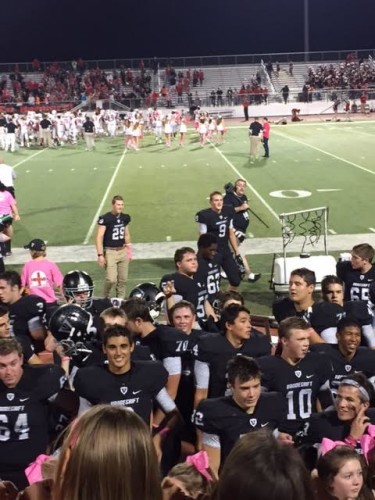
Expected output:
(181, 284)
(28, 353)
(25, 394)
(350, 417)
(208, 272)
(333, 292)
(300, 376)
(218, 219)
(134, 384)
(27, 313)
(113, 246)
(167, 344)
(214, 350)
(358, 273)
(347, 357)
(322, 316)
(235, 197)
(224, 420)
(78, 288)
(182, 316)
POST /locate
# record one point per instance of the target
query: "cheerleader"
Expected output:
(202, 130)
(212, 131)
(129, 143)
(137, 131)
(168, 131)
(182, 129)
(220, 130)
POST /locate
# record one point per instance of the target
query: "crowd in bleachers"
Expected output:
(353, 74)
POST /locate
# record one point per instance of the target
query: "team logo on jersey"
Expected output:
(10, 396)
(298, 373)
(361, 277)
(348, 368)
(123, 390)
(253, 422)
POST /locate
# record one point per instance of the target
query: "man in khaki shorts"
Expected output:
(114, 248)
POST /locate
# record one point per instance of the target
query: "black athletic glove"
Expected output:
(240, 265)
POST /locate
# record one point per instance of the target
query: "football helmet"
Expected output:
(76, 283)
(71, 326)
(152, 295)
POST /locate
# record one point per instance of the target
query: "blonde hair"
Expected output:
(37, 253)
(190, 483)
(108, 454)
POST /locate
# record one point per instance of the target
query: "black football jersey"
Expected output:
(216, 350)
(165, 342)
(300, 384)
(136, 389)
(362, 361)
(240, 219)
(24, 415)
(358, 310)
(186, 388)
(321, 315)
(225, 419)
(208, 277)
(189, 290)
(357, 284)
(22, 314)
(326, 424)
(218, 224)
(114, 235)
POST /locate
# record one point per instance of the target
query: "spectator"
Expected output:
(119, 464)
(40, 276)
(341, 474)
(261, 468)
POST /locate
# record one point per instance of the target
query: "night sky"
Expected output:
(106, 29)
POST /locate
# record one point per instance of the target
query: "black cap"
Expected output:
(37, 245)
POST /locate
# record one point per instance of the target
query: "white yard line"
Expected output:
(98, 212)
(269, 208)
(28, 158)
(298, 141)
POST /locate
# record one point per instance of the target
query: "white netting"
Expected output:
(304, 231)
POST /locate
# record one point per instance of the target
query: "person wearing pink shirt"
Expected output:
(39, 275)
(8, 206)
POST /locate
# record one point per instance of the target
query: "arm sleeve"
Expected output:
(165, 401)
(84, 405)
(211, 440)
(172, 365)
(201, 374)
(202, 228)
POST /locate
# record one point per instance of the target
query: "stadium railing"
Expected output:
(198, 61)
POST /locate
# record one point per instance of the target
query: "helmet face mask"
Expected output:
(72, 328)
(152, 295)
(78, 288)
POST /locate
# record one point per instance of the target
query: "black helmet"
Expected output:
(152, 295)
(76, 282)
(71, 325)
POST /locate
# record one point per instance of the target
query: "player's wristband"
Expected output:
(100, 255)
(66, 358)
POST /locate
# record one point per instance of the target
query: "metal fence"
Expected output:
(197, 61)
(226, 105)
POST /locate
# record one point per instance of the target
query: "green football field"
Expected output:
(61, 192)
